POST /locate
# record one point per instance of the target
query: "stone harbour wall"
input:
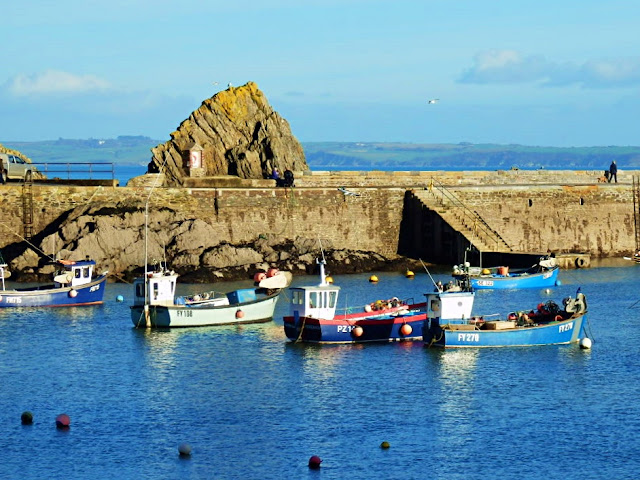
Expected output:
(107, 223)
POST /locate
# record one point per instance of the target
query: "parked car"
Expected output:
(12, 167)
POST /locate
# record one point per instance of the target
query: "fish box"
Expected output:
(461, 326)
(499, 325)
(242, 295)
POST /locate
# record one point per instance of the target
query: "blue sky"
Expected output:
(556, 73)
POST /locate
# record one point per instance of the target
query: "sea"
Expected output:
(252, 405)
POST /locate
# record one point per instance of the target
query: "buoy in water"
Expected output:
(558, 283)
(585, 343)
(239, 314)
(329, 279)
(184, 449)
(373, 279)
(385, 445)
(120, 298)
(63, 421)
(406, 329)
(73, 293)
(409, 274)
(26, 418)
(314, 462)
(357, 331)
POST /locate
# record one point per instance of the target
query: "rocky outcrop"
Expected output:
(114, 236)
(237, 133)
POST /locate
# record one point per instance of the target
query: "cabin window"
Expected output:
(85, 272)
(313, 299)
(155, 290)
(77, 273)
(298, 297)
(332, 299)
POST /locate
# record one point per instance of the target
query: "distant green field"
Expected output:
(136, 150)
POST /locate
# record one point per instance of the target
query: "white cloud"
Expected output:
(511, 67)
(54, 82)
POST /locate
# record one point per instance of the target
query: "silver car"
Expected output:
(15, 168)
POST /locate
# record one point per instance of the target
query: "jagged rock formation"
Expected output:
(114, 236)
(237, 132)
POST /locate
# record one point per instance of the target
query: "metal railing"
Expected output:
(77, 170)
(479, 226)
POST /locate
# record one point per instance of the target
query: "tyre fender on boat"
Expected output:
(580, 262)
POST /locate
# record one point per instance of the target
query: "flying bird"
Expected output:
(433, 100)
(348, 193)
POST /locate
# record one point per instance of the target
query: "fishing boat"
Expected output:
(314, 318)
(541, 275)
(74, 284)
(157, 306)
(449, 325)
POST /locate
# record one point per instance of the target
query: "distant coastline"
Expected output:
(131, 154)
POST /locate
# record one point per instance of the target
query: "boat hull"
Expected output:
(91, 293)
(512, 281)
(383, 328)
(554, 333)
(180, 316)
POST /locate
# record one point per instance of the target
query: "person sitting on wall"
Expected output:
(288, 178)
(275, 175)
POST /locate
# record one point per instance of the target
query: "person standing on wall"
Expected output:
(613, 171)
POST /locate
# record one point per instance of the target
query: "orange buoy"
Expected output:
(406, 329)
(239, 314)
(385, 445)
(357, 331)
(272, 272)
(73, 293)
(63, 421)
(259, 276)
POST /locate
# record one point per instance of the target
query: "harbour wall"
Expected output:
(533, 211)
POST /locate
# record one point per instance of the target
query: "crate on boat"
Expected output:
(461, 326)
(499, 325)
(242, 295)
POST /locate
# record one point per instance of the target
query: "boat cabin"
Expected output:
(161, 285)
(314, 302)
(318, 301)
(74, 273)
(450, 305)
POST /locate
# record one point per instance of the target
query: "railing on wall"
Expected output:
(479, 226)
(77, 170)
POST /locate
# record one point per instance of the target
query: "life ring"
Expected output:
(580, 262)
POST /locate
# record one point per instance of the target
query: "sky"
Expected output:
(540, 73)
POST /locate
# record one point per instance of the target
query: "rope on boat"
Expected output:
(589, 332)
(304, 321)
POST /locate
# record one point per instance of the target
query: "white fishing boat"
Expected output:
(157, 305)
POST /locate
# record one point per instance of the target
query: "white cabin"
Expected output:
(162, 289)
(450, 305)
(318, 301)
(75, 273)
(314, 302)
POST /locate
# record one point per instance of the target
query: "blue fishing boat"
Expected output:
(541, 275)
(547, 324)
(314, 318)
(74, 284)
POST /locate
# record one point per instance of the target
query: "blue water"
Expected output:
(253, 406)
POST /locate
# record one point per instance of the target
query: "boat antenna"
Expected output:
(428, 273)
(146, 246)
(321, 264)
